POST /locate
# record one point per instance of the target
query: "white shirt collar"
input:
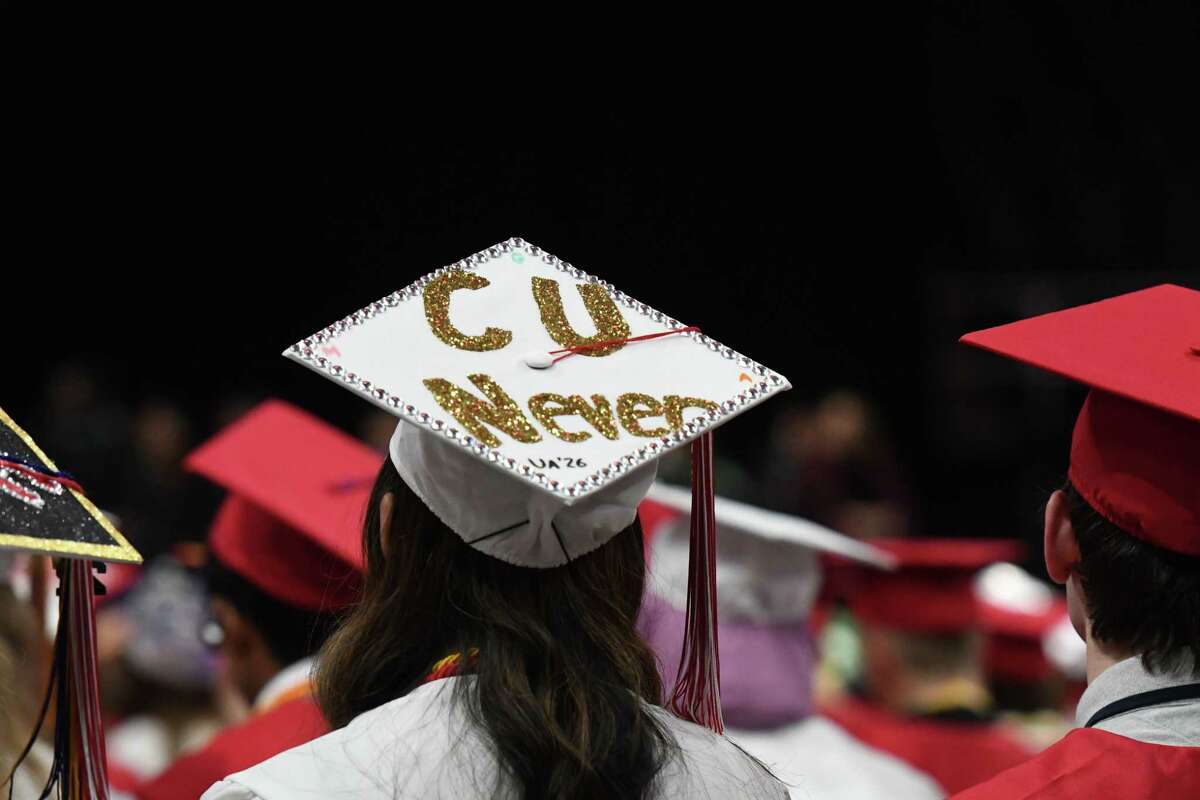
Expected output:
(1123, 679)
(286, 679)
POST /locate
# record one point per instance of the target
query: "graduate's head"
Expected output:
(284, 546)
(534, 401)
(260, 634)
(1126, 595)
(559, 663)
(921, 622)
(1124, 532)
(1124, 535)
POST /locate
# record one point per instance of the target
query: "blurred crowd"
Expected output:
(1015, 668)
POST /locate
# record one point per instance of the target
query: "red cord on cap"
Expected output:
(570, 351)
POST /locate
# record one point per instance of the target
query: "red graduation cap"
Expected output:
(1015, 647)
(1017, 613)
(298, 488)
(1135, 454)
(932, 590)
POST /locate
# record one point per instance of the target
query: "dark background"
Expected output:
(842, 214)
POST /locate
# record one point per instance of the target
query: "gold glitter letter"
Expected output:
(437, 313)
(630, 413)
(546, 407)
(603, 311)
(471, 412)
(676, 404)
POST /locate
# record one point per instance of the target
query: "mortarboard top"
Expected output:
(1135, 454)
(1141, 346)
(767, 572)
(42, 509)
(297, 494)
(475, 359)
(932, 589)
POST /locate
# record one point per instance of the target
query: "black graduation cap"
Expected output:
(43, 510)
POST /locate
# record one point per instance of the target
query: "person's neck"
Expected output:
(1100, 657)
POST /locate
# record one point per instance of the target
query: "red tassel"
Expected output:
(697, 694)
(80, 768)
(89, 763)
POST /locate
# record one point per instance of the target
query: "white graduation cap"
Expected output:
(560, 391)
(534, 402)
(768, 567)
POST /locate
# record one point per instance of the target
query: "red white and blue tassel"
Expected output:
(79, 769)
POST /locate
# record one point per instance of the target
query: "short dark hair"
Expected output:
(290, 633)
(1140, 597)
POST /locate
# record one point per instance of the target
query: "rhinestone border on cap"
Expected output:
(766, 382)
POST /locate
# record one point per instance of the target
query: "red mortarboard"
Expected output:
(1015, 647)
(1135, 455)
(932, 590)
(298, 491)
(1017, 612)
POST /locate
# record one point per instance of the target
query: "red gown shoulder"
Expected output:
(1094, 763)
(264, 735)
(956, 754)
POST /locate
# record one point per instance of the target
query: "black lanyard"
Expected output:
(1155, 697)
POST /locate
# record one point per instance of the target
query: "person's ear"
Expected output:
(1061, 549)
(237, 635)
(387, 504)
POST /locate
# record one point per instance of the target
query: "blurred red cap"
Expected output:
(932, 589)
(1015, 648)
(292, 523)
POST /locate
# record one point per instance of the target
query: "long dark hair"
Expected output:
(562, 676)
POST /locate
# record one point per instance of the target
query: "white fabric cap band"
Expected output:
(507, 518)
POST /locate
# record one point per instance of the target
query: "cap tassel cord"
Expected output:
(79, 770)
(93, 757)
(697, 693)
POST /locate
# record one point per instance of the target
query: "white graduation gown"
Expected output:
(819, 760)
(422, 746)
